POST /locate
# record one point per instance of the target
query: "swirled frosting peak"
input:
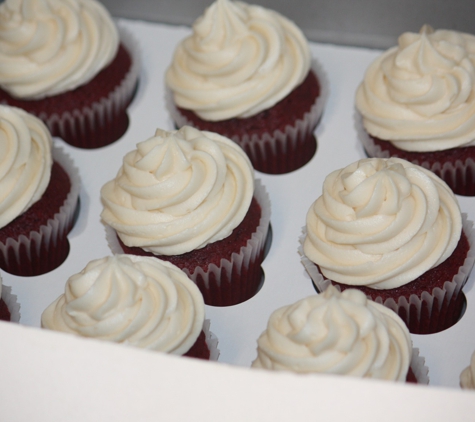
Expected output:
(179, 191)
(140, 301)
(48, 47)
(382, 223)
(420, 95)
(336, 333)
(467, 377)
(240, 59)
(25, 162)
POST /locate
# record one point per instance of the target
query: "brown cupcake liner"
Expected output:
(428, 312)
(12, 303)
(39, 252)
(278, 152)
(106, 120)
(460, 176)
(235, 280)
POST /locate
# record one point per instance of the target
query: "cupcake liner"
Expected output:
(235, 280)
(430, 312)
(211, 341)
(459, 175)
(278, 152)
(43, 251)
(104, 121)
(12, 303)
(419, 368)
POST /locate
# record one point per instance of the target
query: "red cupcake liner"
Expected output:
(281, 151)
(103, 121)
(426, 312)
(235, 280)
(458, 173)
(39, 252)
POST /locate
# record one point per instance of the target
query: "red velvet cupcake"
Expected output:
(340, 333)
(269, 102)
(150, 304)
(38, 199)
(81, 88)
(417, 102)
(189, 197)
(394, 231)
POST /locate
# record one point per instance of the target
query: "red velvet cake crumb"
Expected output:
(229, 289)
(438, 319)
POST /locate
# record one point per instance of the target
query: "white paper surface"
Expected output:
(70, 378)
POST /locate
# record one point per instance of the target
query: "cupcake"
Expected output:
(246, 73)
(133, 300)
(64, 62)
(417, 102)
(343, 334)
(467, 377)
(189, 197)
(393, 230)
(39, 189)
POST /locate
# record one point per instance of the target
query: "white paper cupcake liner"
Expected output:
(419, 368)
(71, 125)
(239, 261)
(17, 253)
(281, 151)
(413, 307)
(211, 341)
(460, 176)
(12, 303)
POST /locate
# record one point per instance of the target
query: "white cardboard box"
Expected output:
(59, 377)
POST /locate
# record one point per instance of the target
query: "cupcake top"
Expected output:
(382, 223)
(336, 333)
(139, 301)
(467, 377)
(240, 59)
(420, 95)
(25, 162)
(49, 47)
(179, 191)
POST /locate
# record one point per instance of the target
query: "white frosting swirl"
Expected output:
(467, 377)
(420, 95)
(241, 59)
(336, 333)
(140, 301)
(382, 223)
(52, 46)
(25, 162)
(179, 191)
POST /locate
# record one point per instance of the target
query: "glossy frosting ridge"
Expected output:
(25, 162)
(240, 59)
(139, 301)
(336, 333)
(179, 191)
(49, 47)
(382, 223)
(420, 95)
